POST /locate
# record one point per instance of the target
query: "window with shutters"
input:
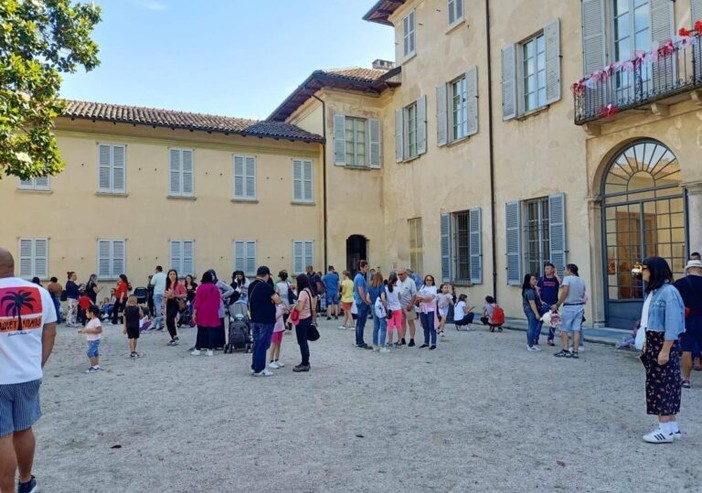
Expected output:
(112, 168)
(33, 258)
(183, 257)
(533, 85)
(245, 256)
(181, 172)
(416, 244)
(536, 234)
(457, 108)
(408, 35)
(410, 130)
(455, 11)
(631, 33)
(111, 259)
(244, 177)
(303, 255)
(356, 141)
(41, 183)
(302, 180)
(461, 245)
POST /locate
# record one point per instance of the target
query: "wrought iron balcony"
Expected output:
(665, 75)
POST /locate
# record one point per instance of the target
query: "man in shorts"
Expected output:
(331, 285)
(408, 295)
(572, 299)
(690, 288)
(27, 334)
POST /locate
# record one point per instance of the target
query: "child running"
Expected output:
(93, 333)
(443, 300)
(132, 322)
(277, 339)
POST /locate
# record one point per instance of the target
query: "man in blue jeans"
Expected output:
(362, 300)
(262, 302)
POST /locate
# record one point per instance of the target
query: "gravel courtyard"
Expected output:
(480, 413)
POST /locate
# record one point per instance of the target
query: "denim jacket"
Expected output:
(666, 313)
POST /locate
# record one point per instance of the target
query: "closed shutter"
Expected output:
(509, 82)
(399, 137)
(513, 224)
(593, 30)
(118, 258)
(250, 267)
(104, 168)
(26, 251)
(187, 172)
(307, 180)
(41, 258)
(472, 100)
(176, 255)
(239, 177)
(695, 11)
(26, 184)
(118, 169)
(663, 70)
(188, 266)
(475, 245)
(175, 167)
(104, 264)
(375, 142)
(41, 183)
(240, 256)
(297, 180)
(422, 125)
(552, 37)
(557, 230)
(441, 116)
(309, 253)
(445, 247)
(339, 139)
(298, 257)
(250, 178)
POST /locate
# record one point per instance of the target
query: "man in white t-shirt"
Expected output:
(158, 281)
(27, 334)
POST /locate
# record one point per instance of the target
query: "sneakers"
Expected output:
(342, 327)
(563, 354)
(432, 347)
(210, 352)
(402, 342)
(195, 352)
(28, 487)
(551, 343)
(384, 349)
(574, 355)
(274, 365)
(172, 342)
(93, 369)
(300, 368)
(658, 436)
(533, 348)
(280, 363)
(364, 346)
(376, 349)
(686, 384)
(424, 345)
(411, 343)
(263, 373)
(328, 318)
(134, 355)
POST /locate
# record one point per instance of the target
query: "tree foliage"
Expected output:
(39, 40)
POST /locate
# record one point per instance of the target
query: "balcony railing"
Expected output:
(671, 69)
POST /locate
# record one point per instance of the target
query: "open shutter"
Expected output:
(662, 70)
(399, 137)
(250, 177)
(41, 258)
(593, 29)
(187, 172)
(422, 125)
(188, 265)
(445, 247)
(552, 37)
(509, 82)
(472, 100)
(695, 11)
(441, 116)
(104, 171)
(250, 269)
(239, 176)
(339, 139)
(513, 224)
(476, 247)
(118, 169)
(26, 250)
(557, 230)
(374, 131)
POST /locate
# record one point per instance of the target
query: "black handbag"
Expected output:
(312, 333)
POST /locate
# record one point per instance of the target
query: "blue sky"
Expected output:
(229, 57)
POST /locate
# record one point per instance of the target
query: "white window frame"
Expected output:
(245, 263)
(35, 184)
(300, 262)
(306, 183)
(455, 12)
(113, 274)
(409, 35)
(410, 129)
(526, 79)
(246, 193)
(179, 263)
(111, 189)
(353, 124)
(182, 174)
(33, 259)
(458, 127)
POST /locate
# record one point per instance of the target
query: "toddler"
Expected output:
(443, 300)
(93, 332)
(277, 339)
(132, 316)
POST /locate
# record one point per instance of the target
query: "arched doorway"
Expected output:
(356, 250)
(644, 214)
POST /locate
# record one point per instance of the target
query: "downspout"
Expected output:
(324, 178)
(491, 138)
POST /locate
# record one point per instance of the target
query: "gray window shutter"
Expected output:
(174, 172)
(399, 137)
(339, 139)
(41, 258)
(239, 176)
(661, 12)
(513, 224)
(297, 180)
(104, 262)
(118, 170)
(186, 162)
(441, 116)
(250, 258)
(176, 255)
(118, 258)
(41, 183)
(250, 177)
(557, 230)
(593, 29)
(104, 168)
(509, 82)
(472, 100)
(26, 255)
(476, 247)
(445, 247)
(422, 125)
(552, 37)
(188, 258)
(375, 133)
(695, 11)
(240, 256)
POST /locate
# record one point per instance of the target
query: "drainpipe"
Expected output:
(493, 223)
(324, 177)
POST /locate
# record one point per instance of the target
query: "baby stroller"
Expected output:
(142, 295)
(239, 329)
(186, 316)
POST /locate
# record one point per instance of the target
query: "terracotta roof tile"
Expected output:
(190, 121)
(357, 73)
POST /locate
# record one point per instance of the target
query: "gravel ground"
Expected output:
(480, 413)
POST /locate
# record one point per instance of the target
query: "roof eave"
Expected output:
(381, 15)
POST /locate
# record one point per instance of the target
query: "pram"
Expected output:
(239, 329)
(142, 295)
(186, 316)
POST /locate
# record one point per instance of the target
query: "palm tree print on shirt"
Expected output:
(15, 302)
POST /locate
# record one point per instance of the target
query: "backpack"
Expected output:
(380, 311)
(64, 295)
(498, 315)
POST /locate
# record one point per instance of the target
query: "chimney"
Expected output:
(383, 64)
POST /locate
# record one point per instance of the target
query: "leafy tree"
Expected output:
(39, 40)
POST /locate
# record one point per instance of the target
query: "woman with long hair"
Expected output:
(206, 314)
(92, 289)
(394, 310)
(376, 289)
(530, 304)
(175, 290)
(427, 311)
(305, 305)
(72, 295)
(663, 319)
(190, 288)
(121, 294)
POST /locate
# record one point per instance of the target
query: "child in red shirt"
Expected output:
(83, 304)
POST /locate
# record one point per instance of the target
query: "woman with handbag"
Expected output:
(175, 295)
(305, 308)
(662, 319)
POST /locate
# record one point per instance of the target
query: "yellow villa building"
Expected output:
(504, 135)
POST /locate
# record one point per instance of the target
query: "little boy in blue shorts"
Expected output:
(93, 333)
